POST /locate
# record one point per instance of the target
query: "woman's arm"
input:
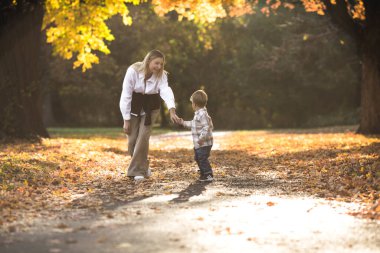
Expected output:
(126, 98)
(166, 93)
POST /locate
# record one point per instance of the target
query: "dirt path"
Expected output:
(203, 219)
(259, 212)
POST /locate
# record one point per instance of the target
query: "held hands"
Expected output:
(173, 116)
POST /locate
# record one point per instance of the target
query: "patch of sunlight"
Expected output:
(268, 220)
(159, 199)
(261, 222)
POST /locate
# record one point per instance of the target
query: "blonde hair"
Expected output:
(144, 65)
(199, 98)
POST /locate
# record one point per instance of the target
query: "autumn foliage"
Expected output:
(79, 28)
(65, 173)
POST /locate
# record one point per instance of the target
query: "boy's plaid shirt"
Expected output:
(201, 128)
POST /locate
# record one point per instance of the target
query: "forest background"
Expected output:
(259, 71)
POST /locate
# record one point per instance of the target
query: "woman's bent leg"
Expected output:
(139, 163)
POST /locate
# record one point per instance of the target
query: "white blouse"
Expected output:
(134, 82)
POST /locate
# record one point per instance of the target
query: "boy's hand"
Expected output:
(173, 116)
(200, 142)
(180, 121)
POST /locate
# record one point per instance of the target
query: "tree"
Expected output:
(77, 27)
(20, 96)
(363, 22)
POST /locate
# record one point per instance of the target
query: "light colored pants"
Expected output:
(138, 144)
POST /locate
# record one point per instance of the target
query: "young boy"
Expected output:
(201, 127)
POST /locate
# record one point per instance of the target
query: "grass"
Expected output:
(96, 132)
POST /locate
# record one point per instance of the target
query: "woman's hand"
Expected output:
(173, 116)
(126, 127)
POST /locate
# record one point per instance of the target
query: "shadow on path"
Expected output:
(194, 189)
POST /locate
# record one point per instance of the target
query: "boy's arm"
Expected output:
(186, 124)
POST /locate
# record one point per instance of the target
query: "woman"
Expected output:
(144, 83)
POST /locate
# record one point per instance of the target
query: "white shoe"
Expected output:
(148, 173)
(139, 178)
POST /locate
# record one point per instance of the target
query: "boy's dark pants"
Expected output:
(201, 157)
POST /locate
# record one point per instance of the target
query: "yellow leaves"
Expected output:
(60, 192)
(136, 2)
(265, 11)
(288, 6)
(86, 59)
(240, 9)
(127, 20)
(80, 29)
(77, 28)
(200, 11)
(358, 10)
(314, 6)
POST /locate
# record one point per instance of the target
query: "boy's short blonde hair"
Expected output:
(199, 98)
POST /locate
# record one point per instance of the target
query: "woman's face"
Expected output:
(156, 65)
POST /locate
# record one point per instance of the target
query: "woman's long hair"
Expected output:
(144, 65)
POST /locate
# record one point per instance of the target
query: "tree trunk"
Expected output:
(370, 88)
(20, 91)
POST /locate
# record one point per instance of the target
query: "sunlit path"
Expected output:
(210, 222)
(275, 191)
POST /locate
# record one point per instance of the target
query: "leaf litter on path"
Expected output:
(58, 175)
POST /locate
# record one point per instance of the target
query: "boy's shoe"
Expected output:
(206, 178)
(139, 178)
